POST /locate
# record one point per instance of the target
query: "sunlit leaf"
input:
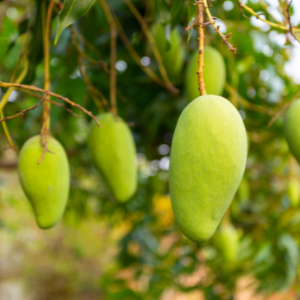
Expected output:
(73, 10)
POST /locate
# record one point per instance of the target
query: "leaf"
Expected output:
(73, 10)
(162, 11)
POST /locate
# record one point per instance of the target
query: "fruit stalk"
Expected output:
(46, 111)
(201, 50)
(113, 55)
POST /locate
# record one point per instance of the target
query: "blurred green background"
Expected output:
(103, 249)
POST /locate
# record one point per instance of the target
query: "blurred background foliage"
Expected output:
(103, 249)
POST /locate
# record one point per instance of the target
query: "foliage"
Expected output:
(155, 254)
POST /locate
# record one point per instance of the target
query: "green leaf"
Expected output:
(162, 11)
(73, 10)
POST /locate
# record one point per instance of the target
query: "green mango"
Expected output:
(214, 73)
(292, 129)
(294, 191)
(114, 155)
(45, 184)
(227, 241)
(173, 54)
(208, 159)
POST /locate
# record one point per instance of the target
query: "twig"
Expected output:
(247, 104)
(216, 28)
(113, 56)
(93, 90)
(201, 50)
(153, 46)
(36, 89)
(85, 56)
(283, 109)
(272, 24)
(297, 38)
(67, 109)
(21, 113)
(137, 58)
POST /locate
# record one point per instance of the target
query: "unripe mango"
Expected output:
(114, 155)
(292, 129)
(227, 242)
(45, 184)
(207, 163)
(294, 191)
(172, 57)
(214, 73)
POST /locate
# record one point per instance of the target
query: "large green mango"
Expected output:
(214, 73)
(45, 184)
(292, 129)
(207, 163)
(172, 56)
(114, 155)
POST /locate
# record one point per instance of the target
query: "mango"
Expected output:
(173, 54)
(227, 242)
(294, 191)
(214, 73)
(244, 190)
(292, 129)
(114, 155)
(45, 184)
(207, 162)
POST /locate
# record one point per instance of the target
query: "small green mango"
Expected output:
(45, 184)
(207, 163)
(292, 129)
(228, 243)
(214, 73)
(114, 155)
(243, 190)
(173, 57)
(294, 191)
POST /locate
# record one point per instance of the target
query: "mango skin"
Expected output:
(214, 73)
(208, 159)
(172, 57)
(292, 129)
(294, 191)
(114, 155)
(46, 185)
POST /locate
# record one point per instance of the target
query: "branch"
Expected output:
(137, 58)
(153, 46)
(292, 31)
(113, 56)
(216, 28)
(201, 50)
(36, 89)
(272, 24)
(21, 113)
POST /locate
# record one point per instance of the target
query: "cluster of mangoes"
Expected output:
(46, 181)
(208, 157)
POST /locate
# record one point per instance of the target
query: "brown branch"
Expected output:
(241, 10)
(201, 50)
(21, 113)
(65, 108)
(36, 89)
(113, 56)
(153, 46)
(216, 28)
